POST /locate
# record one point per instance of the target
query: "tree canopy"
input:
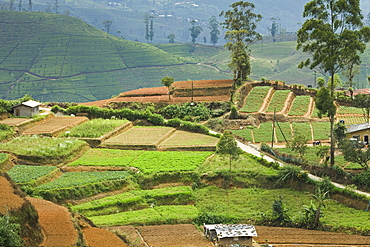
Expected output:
(241, 23)
(334, 35)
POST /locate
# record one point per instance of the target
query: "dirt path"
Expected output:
(267, 100)
(56, 224)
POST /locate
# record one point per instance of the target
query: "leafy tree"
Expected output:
(194, 31)
(298, 144)
(227, 146)
(107, 24)
(171, 38)
(167, 81)
(356, 153)
(363, 101)
(322, 152)
(56, 6)
(340, 132)
(241, 23)
(11, 5)
(29, 5)
(332, 33)
(9, 233)
(213, 25)
(20, 5)
(274, 28)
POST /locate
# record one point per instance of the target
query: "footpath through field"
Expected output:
(253, 150)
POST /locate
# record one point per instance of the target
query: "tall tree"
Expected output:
(363, 101)
(241, 23)
(11, 5)
(151, 32)
(227, 146)
(20, 5)
(213, 25)
(107, 24)
(171, 38)
(332, 33)
(274, 28)
(167, 81)
(56, 6)
(194, 31)
(356, 153)
(146, 21)
(29, 5)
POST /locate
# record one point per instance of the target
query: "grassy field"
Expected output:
(94, 128)
(44, 149)
(136, 199)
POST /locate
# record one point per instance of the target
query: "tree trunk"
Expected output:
(331, 117)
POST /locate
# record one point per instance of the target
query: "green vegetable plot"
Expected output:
(255, 98)
(24, 174)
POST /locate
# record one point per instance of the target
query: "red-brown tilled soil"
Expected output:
(9, 201)
(56, 224)
(96, 237)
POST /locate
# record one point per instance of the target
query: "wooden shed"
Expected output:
(27, 109)
(226, 235)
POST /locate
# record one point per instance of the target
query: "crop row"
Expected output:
(300, 105)
(255, 98)
(264, 132)
(278, 100)
(94, 128)
(146, 161)
(149, 216)
(134, 200)
(349, 110)
(21, 174)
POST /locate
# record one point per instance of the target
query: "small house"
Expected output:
(27, 109)
(230, 234)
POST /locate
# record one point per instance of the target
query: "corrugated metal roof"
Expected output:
(357, 127)
(29, 103)
(231, 231)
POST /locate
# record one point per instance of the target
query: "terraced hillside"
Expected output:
(60, 58)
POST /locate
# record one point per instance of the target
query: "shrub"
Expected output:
(9, 233)
(210, 218)
(234, 113)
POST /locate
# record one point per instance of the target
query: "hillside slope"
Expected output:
(59, 58)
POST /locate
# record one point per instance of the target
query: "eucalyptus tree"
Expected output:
(333, 33)
(194, 31)
(213, 25)
(241, 23)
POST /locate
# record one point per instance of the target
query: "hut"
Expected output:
(27, 109)
(359, 132)
(226, 235)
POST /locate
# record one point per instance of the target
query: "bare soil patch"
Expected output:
(55, 125)
(96, 237)
(202, 84)
(56, 224)
(184, 235)
(281, 236)
(15, 121)
(9, 201)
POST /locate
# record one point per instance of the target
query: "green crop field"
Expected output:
(94, 128)
(244, 133)
(300, 105)
(146, 161)
(349, 120)
(303, 128)
(254, 100)
(45, 148)
(283, 131)
(149, 216)
(25, 174)
(321, 130)
(278, 100)
(263, 133)
(135, 199)
(77, 179)
(349, 110)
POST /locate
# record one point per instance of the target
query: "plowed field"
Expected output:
(15, 121)
(55, 223)
(202, 84)
(184, 235)
(281, 236)
(55, 125)
(8, 200)
(96, 237)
